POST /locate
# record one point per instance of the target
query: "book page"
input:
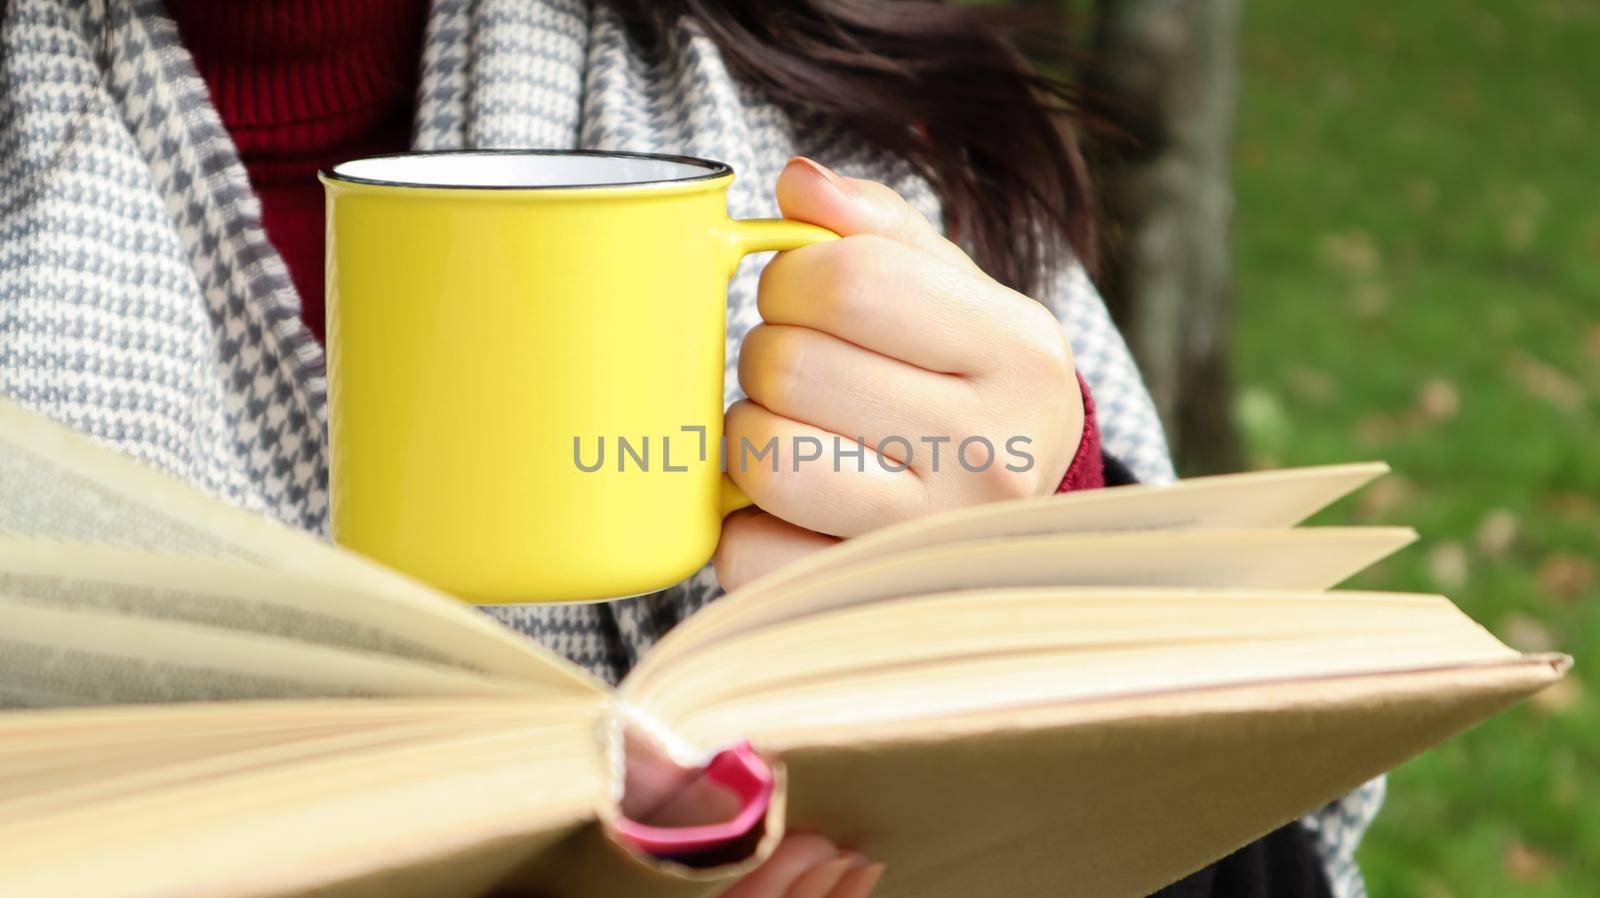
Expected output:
(234, 595)
(410, 797)
(1111, 738)
(959, 654)
(55, 482)
(203, 557)
(53, 657)
(1120, 797)
(1310, 558)
(1261, 500)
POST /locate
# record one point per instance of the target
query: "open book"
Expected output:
(1095, 693)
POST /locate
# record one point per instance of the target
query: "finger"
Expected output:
(698, 801)
(651, 777)
(821, 380)
(858, 883)
(810, 191)
(789, 861)
(799, 473)
(891, 299)
(821, 880)
(755, 544)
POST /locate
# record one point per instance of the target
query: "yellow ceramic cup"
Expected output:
(499, 319)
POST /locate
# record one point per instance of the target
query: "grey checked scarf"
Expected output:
(141, 302)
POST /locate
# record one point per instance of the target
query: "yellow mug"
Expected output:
(499, 321)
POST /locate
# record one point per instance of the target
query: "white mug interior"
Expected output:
(525, 170)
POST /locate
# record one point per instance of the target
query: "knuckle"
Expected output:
(896, 215)
(853, 265)
(945, 279)
(775, 491)
(738, 433)
(989, 471)
(1047, 346)
(783, 280)
(755, 455)
(904, 218)
(882, 193)
(872, 247)
(769, 280)
(731, 558)
(776, 360)
(1003, 483)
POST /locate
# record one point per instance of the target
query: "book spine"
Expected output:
(678, 749)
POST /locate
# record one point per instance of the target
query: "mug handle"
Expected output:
(761, 235)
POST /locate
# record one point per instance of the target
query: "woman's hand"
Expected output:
(962, 389)
(891, 335)
(806, 866)
(802, 866)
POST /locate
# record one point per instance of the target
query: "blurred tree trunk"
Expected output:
(1164, 74)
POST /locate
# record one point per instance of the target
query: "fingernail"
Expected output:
(859, 883)
(828, 174)
(821, 879)
(840, 865)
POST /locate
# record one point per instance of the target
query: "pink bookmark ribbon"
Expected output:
(739, 770)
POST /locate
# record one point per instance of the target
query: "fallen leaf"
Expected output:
(1352, 253)
(1438, 400)
(1525, 864)
(1375, 430)
(1564, 10)
(1461, 97)
(1489, 27)
(1503, 320)
(1559, 697)
(1378, 31)
(1337, 86)
(1311, 384)
(1448, 565)
(1497, 532)
(1574, 507)
(1422, 194)
(1388, 493)
(1545, 381)
(1433, 888)
(1566, 576)
(1525, 634)
(1370, 299)
(1518, 230)
(1523, 209)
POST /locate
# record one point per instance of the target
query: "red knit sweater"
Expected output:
(304, 84)
(300, 85)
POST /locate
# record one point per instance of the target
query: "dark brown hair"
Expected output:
(936, 84)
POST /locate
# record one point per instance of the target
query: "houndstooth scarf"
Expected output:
(141, 302)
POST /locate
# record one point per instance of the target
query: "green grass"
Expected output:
(1417, 266)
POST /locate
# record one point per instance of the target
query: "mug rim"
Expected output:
(714, 170)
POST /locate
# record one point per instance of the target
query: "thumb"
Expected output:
(811, 192)
(755, 543)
